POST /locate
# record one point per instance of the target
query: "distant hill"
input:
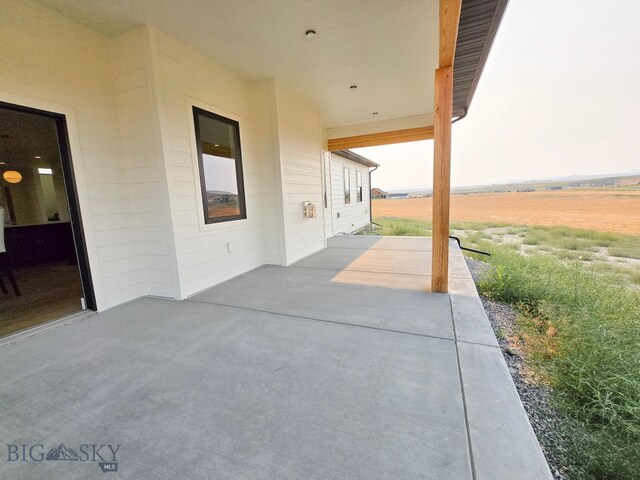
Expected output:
(577, 181)
(626, 180)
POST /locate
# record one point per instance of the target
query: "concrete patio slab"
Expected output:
(379, 243)
(411, 262)
(503, 442)
(313, 371)
(325, 294)
(472, 324)
(382, 260)
(204, 391)
(420, 283)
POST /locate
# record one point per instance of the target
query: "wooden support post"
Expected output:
(443, 111)
(441, 179)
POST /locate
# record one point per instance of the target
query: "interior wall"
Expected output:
(49, 200)
(62, 202)
(25, 197)
(31, 144)
(37, 198)
(51, 63)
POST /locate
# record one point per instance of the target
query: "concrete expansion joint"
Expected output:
(369, 327)
(462, 392)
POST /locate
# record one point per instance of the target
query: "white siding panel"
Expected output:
(133, 76)
(300, 142)
(354, 215)
(129, 102)
(188, 79)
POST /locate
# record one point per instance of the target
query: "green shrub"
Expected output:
(578, 239)
(474, 237)
(583, 328)
(400, 227)
(574, 255)
(634, 277)
(624, 252)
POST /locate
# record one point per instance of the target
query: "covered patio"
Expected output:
(340, 366)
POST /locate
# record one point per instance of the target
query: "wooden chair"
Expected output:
(5, 262)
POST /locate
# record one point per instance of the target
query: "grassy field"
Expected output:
(628, 182)
(614, 254)
(578, 294)
(605, 210)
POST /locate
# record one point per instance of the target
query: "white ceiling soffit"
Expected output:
(388, 48)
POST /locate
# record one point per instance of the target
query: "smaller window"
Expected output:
(347, 185)
(220, 162)
(359, 185)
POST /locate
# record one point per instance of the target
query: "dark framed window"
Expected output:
(220, 163)
(347, 185)
(359, 185)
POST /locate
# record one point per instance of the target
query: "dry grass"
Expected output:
(602, 210)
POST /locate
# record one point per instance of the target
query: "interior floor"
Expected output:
(48, 291)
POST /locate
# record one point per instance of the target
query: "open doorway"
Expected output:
(44, 273)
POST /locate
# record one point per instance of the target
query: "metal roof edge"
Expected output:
(349, 155)
(500, 8)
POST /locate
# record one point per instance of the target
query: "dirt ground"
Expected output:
(604, 210)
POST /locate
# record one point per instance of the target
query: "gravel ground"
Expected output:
(535, 397)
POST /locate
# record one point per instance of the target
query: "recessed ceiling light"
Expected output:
(45, 171)
(216, 145)
(353, 87)
(37, 156)
(310, 33)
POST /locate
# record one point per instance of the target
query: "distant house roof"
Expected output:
(479, 21)
(348, 154)
(378, 192)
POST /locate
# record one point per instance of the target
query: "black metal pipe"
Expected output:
(468, 249)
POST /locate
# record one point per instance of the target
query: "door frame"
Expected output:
(70, 184)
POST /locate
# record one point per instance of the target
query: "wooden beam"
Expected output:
(441, 179)
(449, 20)
(382, 138)
(443, 112)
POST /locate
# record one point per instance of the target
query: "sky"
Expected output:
(559, 96)
(220, 174)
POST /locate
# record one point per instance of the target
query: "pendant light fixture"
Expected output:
(10, 176)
